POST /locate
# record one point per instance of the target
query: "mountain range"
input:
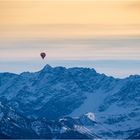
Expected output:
(69, 103)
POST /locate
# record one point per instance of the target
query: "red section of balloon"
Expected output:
(43, 55)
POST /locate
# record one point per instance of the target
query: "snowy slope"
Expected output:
(57, 92)
(15, 126)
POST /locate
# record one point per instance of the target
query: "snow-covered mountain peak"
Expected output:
(134, 77)
(47, 67)
(81, 69)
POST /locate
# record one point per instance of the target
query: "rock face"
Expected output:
(103, 107)
(16, 126)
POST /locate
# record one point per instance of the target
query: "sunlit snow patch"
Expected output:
(91, 116)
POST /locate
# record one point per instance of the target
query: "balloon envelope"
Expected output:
(43, 55)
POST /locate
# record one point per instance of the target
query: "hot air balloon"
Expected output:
(43, 55)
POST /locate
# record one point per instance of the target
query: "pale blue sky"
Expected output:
(119, 57)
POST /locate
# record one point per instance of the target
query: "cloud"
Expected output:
(73, 49)
(49, 19)
(133, 5)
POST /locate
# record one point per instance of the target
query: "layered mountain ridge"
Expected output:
(56, 93)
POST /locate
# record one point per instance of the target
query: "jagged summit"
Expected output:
(49, 68)
(134, 77)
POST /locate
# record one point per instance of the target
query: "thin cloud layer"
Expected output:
(73, 49)
(66, 19)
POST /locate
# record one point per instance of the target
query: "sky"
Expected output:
(101, 34)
